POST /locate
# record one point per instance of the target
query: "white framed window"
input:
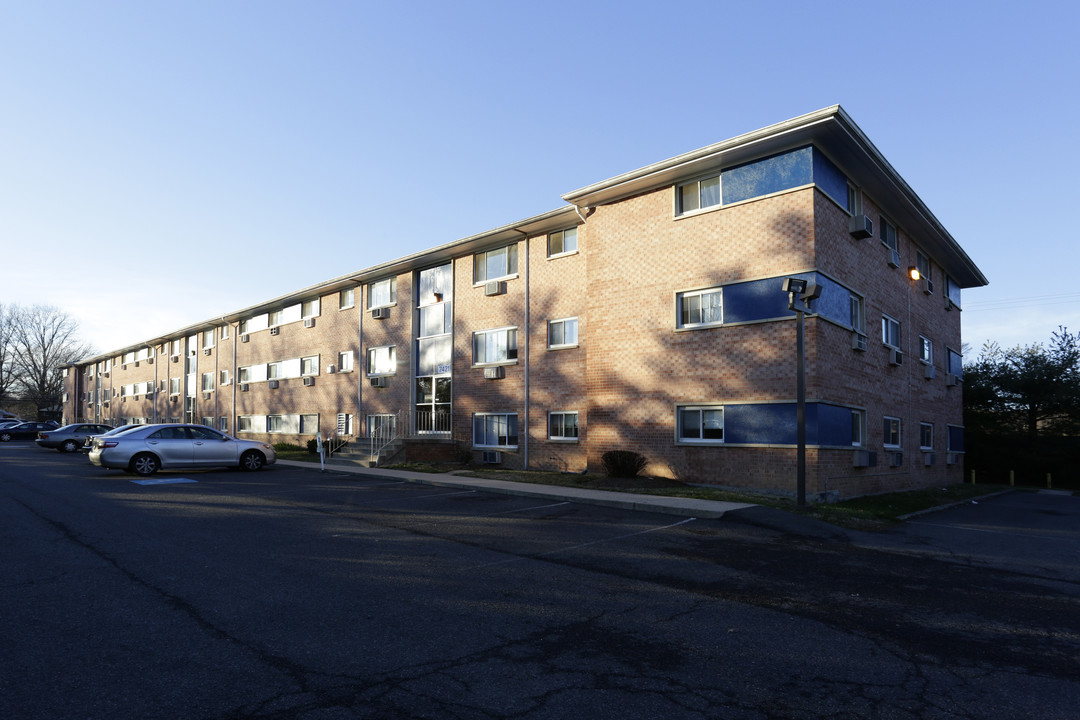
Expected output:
(700, 423)
(890, 331)
(495, 264)
(223, 423)
(309, 365)
(926, 436)
(224, 378)
(344, 424)
(207, 422)
(244, 326)
(382, 293)
(382, 360)
(922, 264)
(563, 242)
(274, 371)
(276, 317)
(346, 299)
(275, 423)
(563, 333)
(954, 362)
(888, 234)
(926, 350)
(207, 339)
(495, 346)
(858, 316)
(854, 200)
(345, 361)
(563, 426)
(176, 346)
(225, 332)
(309, 424)
(891, 432)
(174, 386)
(310, 308)
(207, 381)
(697, 195)
(858, 428)
(700, 308)
(244, 423)
(495, 430)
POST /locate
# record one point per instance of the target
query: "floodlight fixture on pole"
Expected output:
(800, 293)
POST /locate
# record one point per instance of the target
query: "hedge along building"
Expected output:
(647, 314)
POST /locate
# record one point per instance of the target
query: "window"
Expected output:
(891, 430)
(309, 365)
(243, 423)
(382, 361)
(310, 308)
(276, 317)
(495, 346)
(858, 318)
(275, 423)
(245, 374)
(701, 424)
(697, 195)
(890, 332)
(345, 361)
(207, 381)
(224, 332)
(273, 371)
(344, 424)
(562, 333)
(858, 427)
(954, 362)
(888, 234)
(495, 264)
(223, 424)
(309, 424)
(382, 293)
(922, 264)
(926, 350)
(176, 347)
(854, 200)
(563, 426)
(174, 386)
(952, 291)
(495, 430)
(243, 327)
(701, 307)
(346, 299)
(926, 436)
(207, 421)
(207, 339)
(563, 242)
(224, 378)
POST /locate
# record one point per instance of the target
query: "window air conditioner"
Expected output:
(309, 322)
(858, 341)
(244, 387)
(175, 359)
(105, 374)
(379, 382)
(929, 372)
(895, 357)
(929, 458)
(275, 330)
(135, 397)
(206, 351)
(206, 396)
(495, 287)
(380, 313)
(864, 458)
(490, 457)
(952, 458)
(273, 384)
(894, 258)
(309, 381)
(494, 373)
(951, 380)
(948, 304)
(928, 286)
(861, 227)
(896, 459)
(173, 398)
(245, 337)
(149, 361)
(331, 369)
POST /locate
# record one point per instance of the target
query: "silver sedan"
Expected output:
(150, 448)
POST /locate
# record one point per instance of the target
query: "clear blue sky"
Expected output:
(163, 162)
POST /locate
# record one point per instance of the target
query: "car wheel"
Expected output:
(69, 446)
(144, 464)
(5, 437)
(252, 460)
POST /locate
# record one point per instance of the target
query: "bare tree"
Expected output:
(43, 340)
(7, 368)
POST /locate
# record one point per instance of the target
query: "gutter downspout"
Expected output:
(528, 319)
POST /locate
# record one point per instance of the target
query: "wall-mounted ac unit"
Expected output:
(928, 286)
(929, 372)
(135, 397)
(309, 322)
(206, 351)
(172, 398)
(494, 373)
(895, 357)
(929, 459)
(206, 396)
(309, 381)
(245, 338)
(858, 341)
(331, 369)
(948, 304)
(861, 227)
(495, 287)
(896, 459)
(951, 380)
(275, 330)
(491, 457)
(273, 384)
(952, 458)
(864, 458)
(175, 359)
(379, 382)
(105, 374)
(380, 313)
(244, 387)
(894, 258)
(106, 403)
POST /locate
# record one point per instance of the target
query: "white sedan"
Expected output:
(149, 448)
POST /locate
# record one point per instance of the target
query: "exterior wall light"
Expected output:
(914, 273)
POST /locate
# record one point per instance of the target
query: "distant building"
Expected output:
(647, 314)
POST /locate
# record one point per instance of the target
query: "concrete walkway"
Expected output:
(686, 507)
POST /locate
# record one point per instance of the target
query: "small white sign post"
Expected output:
(319, 448)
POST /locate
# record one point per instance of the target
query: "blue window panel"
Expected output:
(832, 425)
(777, 424)
(766, 300)
(829, 178)
(956, 439)
(835, 300)
(780, 172)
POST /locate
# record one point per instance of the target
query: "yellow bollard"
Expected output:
(1048, 484)
(972, 477)
(1012, 477)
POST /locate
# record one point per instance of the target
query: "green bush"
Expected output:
(287, 447)
(623, 463)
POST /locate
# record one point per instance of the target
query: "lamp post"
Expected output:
(800, 293)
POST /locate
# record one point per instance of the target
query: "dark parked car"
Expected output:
(70, 437)
(111, 431)
(25, 431)
(146, 449)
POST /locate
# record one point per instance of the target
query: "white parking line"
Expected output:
(164, 481)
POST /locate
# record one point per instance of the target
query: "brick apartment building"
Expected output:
(646, 314)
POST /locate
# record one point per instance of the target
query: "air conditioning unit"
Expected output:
(309, 322)
(331, 369)
(896, 459)
(379, 382)
(175, 359)
(490, 457)
(929, 459)
(309, 381)
(206, 351)
(206, 396)
(135, 397)
(864, 458)
(858, 341)
(494, 373)
(495, 287)
(149, 361)
(245, 338)
(951, 380)
(895, 357)
(894, 258)
(105, 374)
(106, 403)
(861, 227)
(928, 286)
(929, 372)
(952, 458)
(275, 330)
(948, 304)
(173, 398)
(380, 313)
(244, 387)
(273, 384)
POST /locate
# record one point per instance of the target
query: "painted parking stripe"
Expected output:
(164, 481)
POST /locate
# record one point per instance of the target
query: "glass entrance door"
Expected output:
(433, 404)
